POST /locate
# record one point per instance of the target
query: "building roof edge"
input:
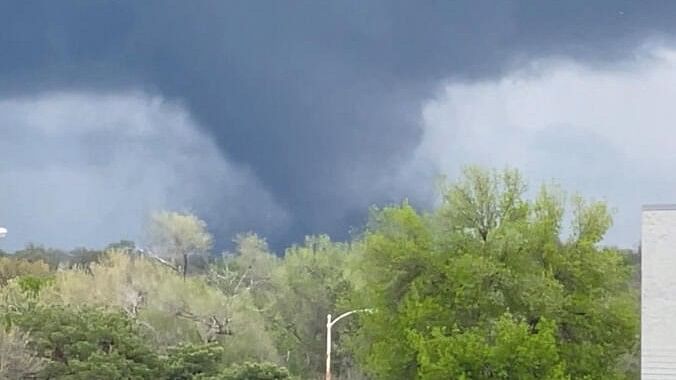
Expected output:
(659, 207)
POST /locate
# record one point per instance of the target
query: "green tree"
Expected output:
(311, 283)
(505, 349)
(86, 343)
(189, 361)
(395, 249)
(486, 287)
(255, 371)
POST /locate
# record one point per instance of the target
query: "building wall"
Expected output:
(658, 292)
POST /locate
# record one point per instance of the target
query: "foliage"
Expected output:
(122, 245)
(506, 349)
(31, 286)
(491, 264)
(86, 343)
(255, 371)
(33, 253)
(178, 236)
(55, 259)
(248, 269)
(83, 257)
(11, 267)
(310, 283)
(486, 286)
(186, 362)
(94, 343)
(294, 295)
(17, 360)
(173, 310)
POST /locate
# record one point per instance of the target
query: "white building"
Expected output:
(658, 292)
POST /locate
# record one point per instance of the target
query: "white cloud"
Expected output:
(86, 169)
(607, 133)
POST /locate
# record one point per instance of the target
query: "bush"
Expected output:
(255, 371)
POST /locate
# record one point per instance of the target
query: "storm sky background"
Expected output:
(292, 118)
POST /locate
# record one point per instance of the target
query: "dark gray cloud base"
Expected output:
(306, 94)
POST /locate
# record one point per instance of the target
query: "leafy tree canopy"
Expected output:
(485, 287)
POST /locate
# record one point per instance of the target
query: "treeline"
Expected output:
(483, 287)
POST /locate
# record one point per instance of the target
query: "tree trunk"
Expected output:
(185, 265)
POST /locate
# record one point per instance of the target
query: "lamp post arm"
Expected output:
(349, 313)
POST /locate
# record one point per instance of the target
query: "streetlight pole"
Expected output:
(329, 324)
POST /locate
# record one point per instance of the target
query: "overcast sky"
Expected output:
(292, 118)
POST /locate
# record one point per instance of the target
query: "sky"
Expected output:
(293, 118)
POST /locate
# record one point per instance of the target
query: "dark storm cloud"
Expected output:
(306, 94)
